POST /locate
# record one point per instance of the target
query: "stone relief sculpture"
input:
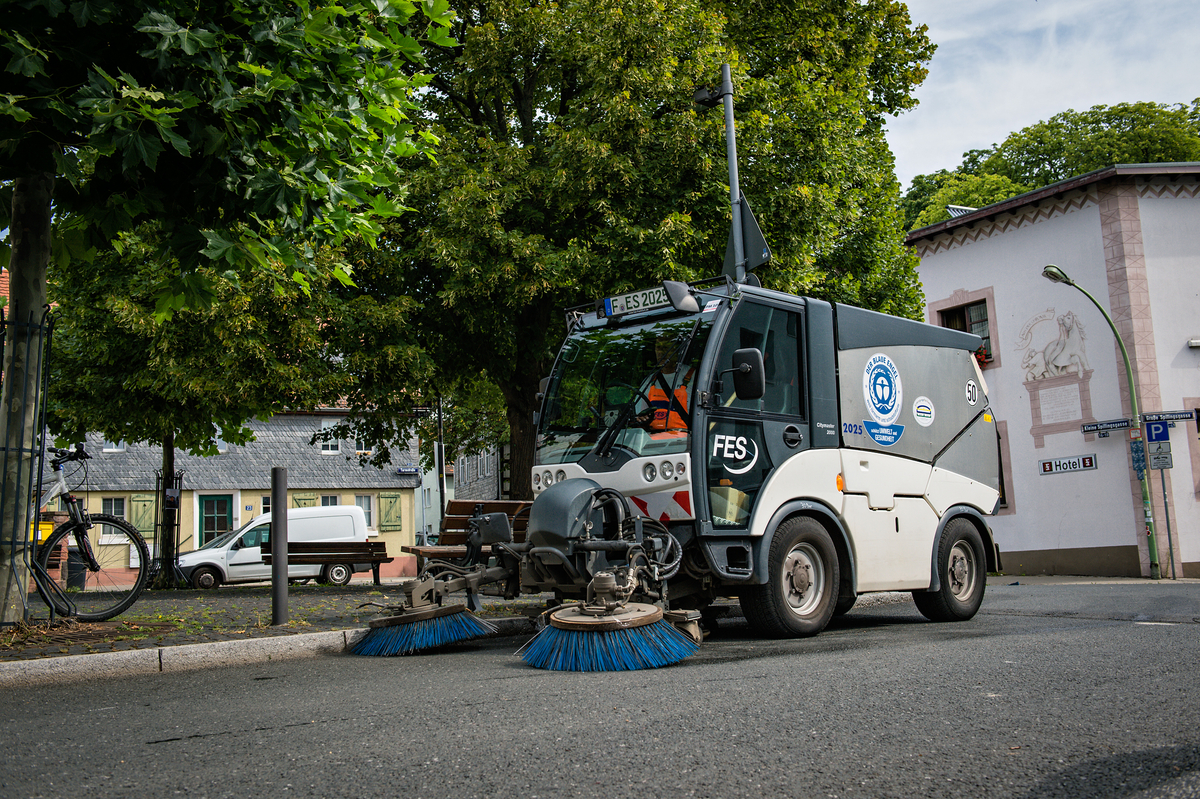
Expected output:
(1066, 354)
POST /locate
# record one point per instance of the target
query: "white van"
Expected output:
(236, 557)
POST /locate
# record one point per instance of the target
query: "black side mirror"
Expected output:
(681, 297)
(749, 375)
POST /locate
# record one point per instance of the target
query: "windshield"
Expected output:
(623, 387)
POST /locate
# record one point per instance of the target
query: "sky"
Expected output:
(1002, 65)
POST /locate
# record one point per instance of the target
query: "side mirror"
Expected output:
(749, 375)
(681, 297)
(543, 384)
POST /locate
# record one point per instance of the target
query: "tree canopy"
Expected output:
(1068, 144)
(573, 164)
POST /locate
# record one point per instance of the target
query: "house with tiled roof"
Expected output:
(1071, 458)
(224, 491)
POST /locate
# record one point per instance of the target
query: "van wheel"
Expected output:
(961, 565)
(338, 573)
(206, 577)
(801, 591)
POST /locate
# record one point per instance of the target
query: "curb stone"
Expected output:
(187, 657)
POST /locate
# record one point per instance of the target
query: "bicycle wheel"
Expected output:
(121, 554)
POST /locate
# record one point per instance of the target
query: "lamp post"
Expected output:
(1057, 275)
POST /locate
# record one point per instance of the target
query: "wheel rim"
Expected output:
(803, 579)
(962, 571)
(206, 580)
(338, 574)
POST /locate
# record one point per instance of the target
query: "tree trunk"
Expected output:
(522, 438)
(29, 235)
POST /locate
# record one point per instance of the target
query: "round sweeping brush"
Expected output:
(418, 629)
(635, 637)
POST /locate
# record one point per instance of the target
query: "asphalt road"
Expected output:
(1060, 690)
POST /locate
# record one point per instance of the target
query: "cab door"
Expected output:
(746, 439)
(244, 561)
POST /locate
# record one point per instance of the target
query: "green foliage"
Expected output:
(262, 132)
(972, 191)
(573, 165)
(1068, 144)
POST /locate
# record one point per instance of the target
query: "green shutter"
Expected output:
(304, 500)
(141, 513)
(389, 512)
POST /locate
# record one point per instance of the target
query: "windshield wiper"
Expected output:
(605, 443)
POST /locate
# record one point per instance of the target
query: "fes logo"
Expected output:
(735, 448)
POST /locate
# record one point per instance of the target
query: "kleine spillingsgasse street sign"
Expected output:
(1111, 424)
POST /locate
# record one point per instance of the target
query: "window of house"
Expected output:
(330, 447)
(364, 501)
(429, 497)
(266, 503)
(113, 506)
(222, 446)
(363, 448)
(330, 499)
(972, 318)
(113, 446)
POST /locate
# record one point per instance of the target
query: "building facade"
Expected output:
(224, 491)
(1130, 236)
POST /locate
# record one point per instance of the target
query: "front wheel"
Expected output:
(961, 567)
(802, 585)
(122, 564)
(338, 573)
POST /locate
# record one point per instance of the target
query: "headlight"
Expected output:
(559, 476)
(667, 469)
(680, 468)
(649, 472)
(537, 479)
(547, 479)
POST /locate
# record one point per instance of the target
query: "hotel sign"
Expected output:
(1073, 463)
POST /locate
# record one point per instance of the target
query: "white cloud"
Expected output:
(1001, 66)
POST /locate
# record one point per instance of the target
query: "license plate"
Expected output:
(634, 301)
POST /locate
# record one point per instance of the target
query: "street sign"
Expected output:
(1111, 424)
(1074, 463)
(1160, 460)
(1158, 447)
(1169, 416)
(1158, 431)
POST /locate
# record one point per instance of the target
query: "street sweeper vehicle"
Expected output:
(697, 442)
(720, 439)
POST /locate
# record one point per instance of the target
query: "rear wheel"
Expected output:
(338, 573)
(801, 590)
(962, 569)
(122, 565)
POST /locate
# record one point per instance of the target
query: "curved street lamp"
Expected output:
(1056, 275)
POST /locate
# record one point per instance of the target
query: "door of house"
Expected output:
(216, 516)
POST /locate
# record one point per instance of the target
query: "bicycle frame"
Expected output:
(81, 522)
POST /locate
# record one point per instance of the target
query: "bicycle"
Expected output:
(110, 564)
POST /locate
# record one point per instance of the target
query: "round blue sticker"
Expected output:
(882, 389)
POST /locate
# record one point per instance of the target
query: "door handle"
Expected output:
(792, 436)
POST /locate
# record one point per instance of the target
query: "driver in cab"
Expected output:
(667, 416)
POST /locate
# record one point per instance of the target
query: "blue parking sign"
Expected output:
(1158, 431)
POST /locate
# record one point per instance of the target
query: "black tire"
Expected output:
(206, 578)
(844, 604)
(962, 567)
(802, 585)
(337, 573)
(115, 584)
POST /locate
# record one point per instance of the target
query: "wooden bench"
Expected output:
(452, 535)
(321, 554)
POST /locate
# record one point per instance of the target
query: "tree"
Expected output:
(573, 165)
(1068, 144)
(259, 134)
(971, 191)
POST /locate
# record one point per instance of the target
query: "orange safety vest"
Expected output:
(666, 413)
